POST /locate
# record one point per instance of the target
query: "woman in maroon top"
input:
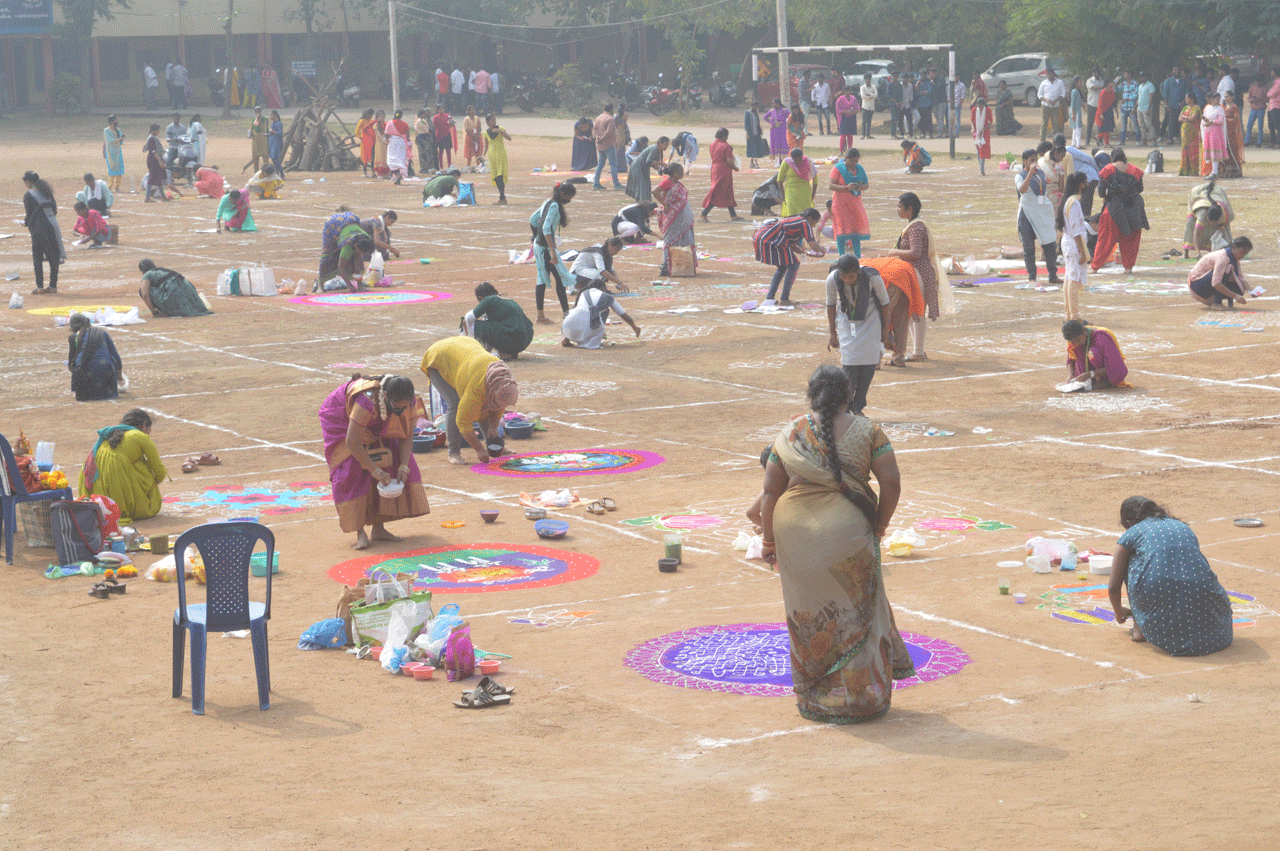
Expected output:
(722, 169)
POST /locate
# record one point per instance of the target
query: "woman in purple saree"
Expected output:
(368, 439)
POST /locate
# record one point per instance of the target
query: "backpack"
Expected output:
(535, 221)
(924, 155)
(1155, 162)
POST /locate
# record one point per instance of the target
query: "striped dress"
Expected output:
(776, 243)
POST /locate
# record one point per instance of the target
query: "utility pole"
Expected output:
(395, 59)
(784, 59)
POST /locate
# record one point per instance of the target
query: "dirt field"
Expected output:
(1056, 733)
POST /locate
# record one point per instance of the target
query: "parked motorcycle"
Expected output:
(185, 161)
(348, 92)
(723, 92)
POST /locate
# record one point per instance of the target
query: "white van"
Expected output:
(1023, 73)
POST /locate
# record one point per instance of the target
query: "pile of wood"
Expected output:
(311, 145)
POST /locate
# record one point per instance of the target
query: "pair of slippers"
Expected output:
(487, 693)
(208, 459)
(106, 588)
(600, 506)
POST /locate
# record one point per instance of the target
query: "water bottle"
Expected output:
(44, 456)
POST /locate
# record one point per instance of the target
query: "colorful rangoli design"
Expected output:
(1090, 603)
(86, 309)
(678, 522)
(755, 659)
(958, 524)
(578, 462)
(263, 500)
(374, 299)
(472, 568)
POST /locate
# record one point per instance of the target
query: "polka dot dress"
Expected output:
(1177, 600)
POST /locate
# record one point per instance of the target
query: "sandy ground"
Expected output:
(1057, 734)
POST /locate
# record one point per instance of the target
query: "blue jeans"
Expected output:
(482, 103)
(1127, 115)
(1258, 115)
(788, 273)
(610, 154)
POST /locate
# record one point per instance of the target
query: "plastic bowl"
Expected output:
(1040, 564)
(408, 669)
(489, 666)
(518, 429)
(1019, 597)
(424, 443)
(489, 514)
(668, 565)
(392, 490)
(423, 672)
(375, 653)
(551, 528)
(534, 513)
(1100, 565)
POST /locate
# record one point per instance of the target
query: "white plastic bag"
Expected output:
(1051, 547)
(400, 624)
(15, 301)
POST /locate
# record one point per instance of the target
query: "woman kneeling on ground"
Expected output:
(822, 525)
(125, 466)
(166, 293)
(1093, 354)
(1177, 602)
(1216, 277)
(367, 425)
(94, 363)
(477, 387)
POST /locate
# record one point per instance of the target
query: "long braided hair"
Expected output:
(389, 387)
(829, 395)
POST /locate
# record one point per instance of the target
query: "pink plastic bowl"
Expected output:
(489, 666)
(423, 672)
(375, 653)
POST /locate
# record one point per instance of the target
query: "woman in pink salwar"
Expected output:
(367, 425)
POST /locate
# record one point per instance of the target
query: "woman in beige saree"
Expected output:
(822, 526)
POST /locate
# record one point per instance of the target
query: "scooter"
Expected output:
(184, 165)
(723, 92)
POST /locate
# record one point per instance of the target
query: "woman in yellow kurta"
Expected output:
(496, 142)
(125, 466)
(799, 181)
(380, 145)
(476, 386)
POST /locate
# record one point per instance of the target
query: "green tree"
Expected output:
(1125, 34)
(79, 17)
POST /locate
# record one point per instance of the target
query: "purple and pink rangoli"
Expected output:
(755, 659)
(369, 299)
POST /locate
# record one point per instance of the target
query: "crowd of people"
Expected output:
(822, 522)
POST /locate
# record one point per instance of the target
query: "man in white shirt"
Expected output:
(1226, 85)
(1094, 84)
(1052, 92)
(821, 97)
(179, 79)
(150, 86)
(456, 81)
(868, 93)
(168, 84)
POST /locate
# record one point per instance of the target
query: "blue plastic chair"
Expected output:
(16, 493)
(225, 548)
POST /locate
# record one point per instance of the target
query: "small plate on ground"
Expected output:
(1248, 522)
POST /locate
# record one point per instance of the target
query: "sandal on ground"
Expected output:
(488, 686)
(596, 507)
(105, 588)
(208, 459)
(920, 357)
(38, 291)
(191, 465)
(609, 504)
(480, 699)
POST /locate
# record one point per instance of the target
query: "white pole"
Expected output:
(395, 58)
(784, 63)
(951, 99)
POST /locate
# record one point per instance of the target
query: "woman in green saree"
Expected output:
(822, 526)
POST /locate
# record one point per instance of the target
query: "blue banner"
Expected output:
(19, 17)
